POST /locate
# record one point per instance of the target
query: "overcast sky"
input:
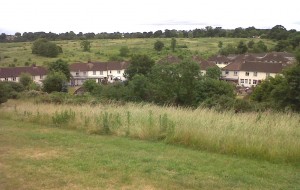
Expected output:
(144, 15)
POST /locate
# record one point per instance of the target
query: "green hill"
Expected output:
(19, 54)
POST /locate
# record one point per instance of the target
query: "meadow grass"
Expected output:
(267, 136)
(42, 157)
(102, 49)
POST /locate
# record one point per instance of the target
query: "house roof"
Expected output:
(262, 67)
(219, 59)
(275, 57)
(16, 71)
(98, 66)
(255, 66)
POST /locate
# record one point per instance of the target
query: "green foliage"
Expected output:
(281, 92)
(4, 89)
(173, 44)
(282, 45)
(213, 72)
(220, 44)
(85, 45)
(250, 44)
(54, 82)
(211, 89)
(45, 48)
(228, 49)
(62, 118)
(92, 87)
(259, 47)
(60, 66)
(158, 45)
(9, 90)
(139, 64)
(124, 51)
(26, 80)
(241, 48)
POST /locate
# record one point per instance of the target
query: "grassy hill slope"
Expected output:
(38, 157)
(20, 54)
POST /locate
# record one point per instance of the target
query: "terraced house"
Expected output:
(38, 73)
(251, 69)
(98, 71)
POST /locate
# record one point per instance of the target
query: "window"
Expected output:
(14, 79)
(101, 72)
(226, 72)
(246, 81)
(110, 71)
(247, 74)
(242, 81)
(77, 73)
(6, 79)
(119, 72)
(249, 81)
(94, 72)
(235, 73)
(254, 81)
(255, 74)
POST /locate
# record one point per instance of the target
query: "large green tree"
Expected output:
(60, 66)
(26, 80)
(139, 64)
(85, 45)
(54, 82)
(45, 48)
(158, 45)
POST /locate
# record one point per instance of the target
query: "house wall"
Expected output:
(230, 75)
(251, 79)
(37, 79)
(81, 76)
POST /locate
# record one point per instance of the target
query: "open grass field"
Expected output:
(38, 157)
(269, 136)
(102, 49)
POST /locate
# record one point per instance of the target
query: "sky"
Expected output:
(98, 16)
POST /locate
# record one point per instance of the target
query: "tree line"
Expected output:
(278, 32)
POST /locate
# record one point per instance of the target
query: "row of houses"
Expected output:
(245, 70)
(250, 69)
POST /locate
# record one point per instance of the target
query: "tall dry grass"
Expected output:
(269, 136)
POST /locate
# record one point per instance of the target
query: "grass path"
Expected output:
(38, 157)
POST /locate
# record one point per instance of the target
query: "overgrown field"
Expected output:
(20, 54)
(42, 157)
(267, 136)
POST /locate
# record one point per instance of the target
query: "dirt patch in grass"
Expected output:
(40, 154)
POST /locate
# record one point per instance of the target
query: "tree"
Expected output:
(60, 66)
(173, 44)
(3, 92)
(124, 51)
(259, 47)
(250, 44)
(92, 87)
(158, 45)
(26, 80)
(54, 82)
(45, 48)
(139, 64)
(242, 48)
(213, 72)
(220, 44)
(85, 45)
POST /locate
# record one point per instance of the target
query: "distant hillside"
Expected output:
(19, 53)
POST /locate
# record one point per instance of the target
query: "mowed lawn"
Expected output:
(38, 157)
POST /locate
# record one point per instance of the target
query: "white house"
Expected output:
(249, 73)
(98, 71)
(38, 73)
